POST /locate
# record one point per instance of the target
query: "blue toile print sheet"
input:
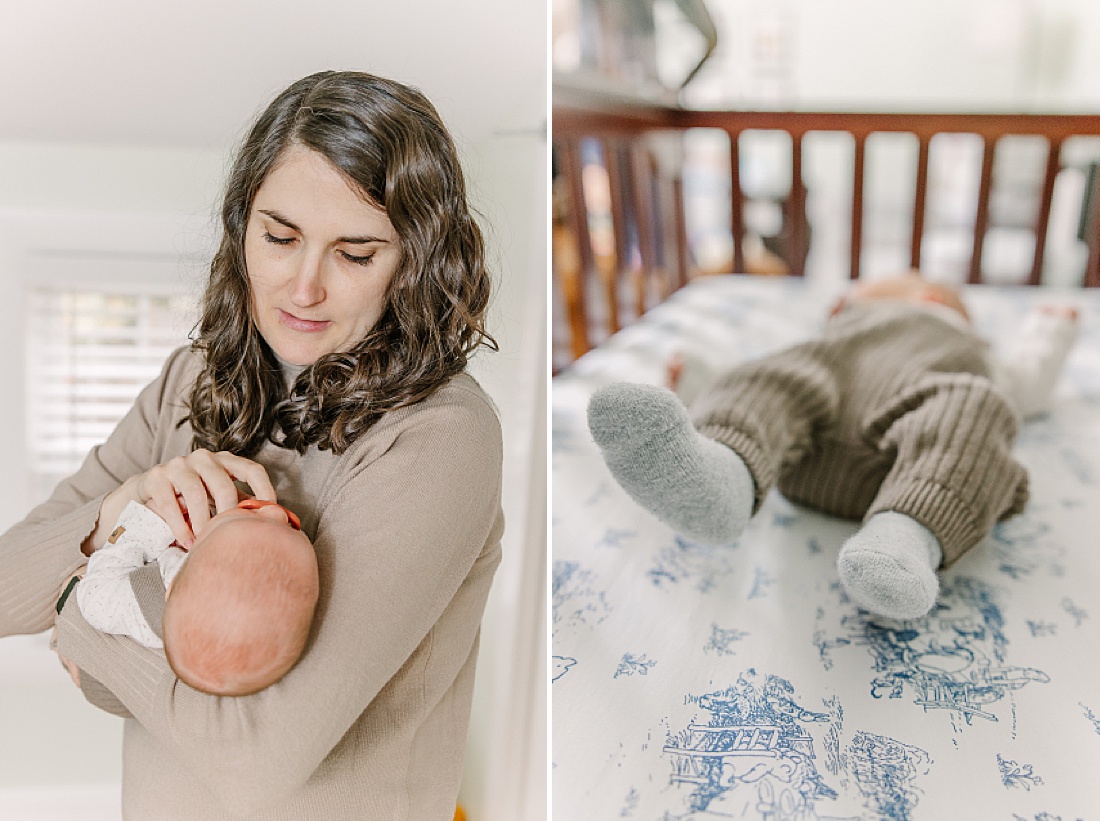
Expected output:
(738, 681)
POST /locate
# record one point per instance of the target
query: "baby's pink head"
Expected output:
(912, 288)
(240, 608)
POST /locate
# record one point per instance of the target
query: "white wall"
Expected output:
(965, 55)
(508, 726)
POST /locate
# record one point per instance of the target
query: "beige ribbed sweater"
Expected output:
(371, 723)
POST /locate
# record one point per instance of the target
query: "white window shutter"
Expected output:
(89, 354)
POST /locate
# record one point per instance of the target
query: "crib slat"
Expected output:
(665, 192)
(737, 204)
(574, 290)
(981, 218)
(613, 157)
(643, 208)
(682, 259)
(857, 204)
(919, 200)
(1092, 271)
(796, 210)
(1092, 234)
(1054, 148)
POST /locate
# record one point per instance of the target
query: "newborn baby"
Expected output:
(897, 416)
(237, 606)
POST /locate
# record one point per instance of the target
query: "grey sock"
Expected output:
(699, 487)
(889, 566)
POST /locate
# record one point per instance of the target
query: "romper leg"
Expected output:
(769, 411)
(954, 471)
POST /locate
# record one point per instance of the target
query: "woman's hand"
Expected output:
(191, 483)
(188, 483)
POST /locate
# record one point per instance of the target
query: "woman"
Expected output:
(328, 374)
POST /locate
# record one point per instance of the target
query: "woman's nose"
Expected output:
(307, 287)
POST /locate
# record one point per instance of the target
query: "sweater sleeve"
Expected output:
(399, 537)
(41, 553)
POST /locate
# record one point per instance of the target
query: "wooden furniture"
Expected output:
(643, 255)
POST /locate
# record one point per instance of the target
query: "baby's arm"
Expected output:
(1034, 360)
(104, 594)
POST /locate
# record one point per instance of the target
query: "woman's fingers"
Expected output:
(161, 485)
(190, 483)
(251, 473)
(218, 487)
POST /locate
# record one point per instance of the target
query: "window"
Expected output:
(89, 354)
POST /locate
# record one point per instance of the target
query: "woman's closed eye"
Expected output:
(363, 260)
(277, 240)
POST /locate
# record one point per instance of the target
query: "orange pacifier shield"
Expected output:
(256, 504)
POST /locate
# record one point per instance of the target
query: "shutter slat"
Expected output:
(89, 355)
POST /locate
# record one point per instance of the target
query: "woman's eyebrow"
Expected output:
(361, 240)
(279, 218)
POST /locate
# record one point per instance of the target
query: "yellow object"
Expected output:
(459, 814)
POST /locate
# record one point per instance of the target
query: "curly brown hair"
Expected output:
(391, 144)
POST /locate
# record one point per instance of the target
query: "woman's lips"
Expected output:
(298, 324)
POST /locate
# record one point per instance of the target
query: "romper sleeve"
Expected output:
(1034, 361)
(105, 595)
(403, 531)
(40, 554)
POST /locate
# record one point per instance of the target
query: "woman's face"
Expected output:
(319, 259)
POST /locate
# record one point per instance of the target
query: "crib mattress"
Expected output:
(693, 681)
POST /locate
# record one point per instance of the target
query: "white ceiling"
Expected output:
(193, 73)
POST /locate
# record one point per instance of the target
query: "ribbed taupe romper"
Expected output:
(891, 409)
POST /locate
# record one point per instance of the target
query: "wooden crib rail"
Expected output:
(1055, 128)
(647, 209)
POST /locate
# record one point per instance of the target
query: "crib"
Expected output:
(693, 681)
(646, 255)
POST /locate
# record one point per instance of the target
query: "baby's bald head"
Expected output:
(240, 609)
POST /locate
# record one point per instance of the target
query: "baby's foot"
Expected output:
(699, 487)
(889, 566)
